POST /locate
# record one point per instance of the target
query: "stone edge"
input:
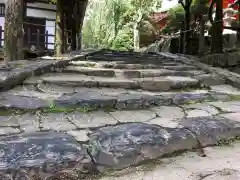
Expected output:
(16, 77)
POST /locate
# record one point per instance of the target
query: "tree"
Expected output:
(110, 23)
(142, 8)
(59, 29)
(187, 32)
(13, 31)
(217, 26)
(200, 9)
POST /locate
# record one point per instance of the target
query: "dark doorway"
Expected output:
(34, 29)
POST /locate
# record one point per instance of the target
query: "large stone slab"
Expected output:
(42, 156)
(152, 84)
(209, 130)
(129, 144)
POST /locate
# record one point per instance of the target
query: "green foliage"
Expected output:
(176, 15)
(109, 23)
(176, 18)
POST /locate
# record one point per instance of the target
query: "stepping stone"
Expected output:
(152, 84)
(44, 155)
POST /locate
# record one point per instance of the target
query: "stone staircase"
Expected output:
(113, 110)
(126, 81)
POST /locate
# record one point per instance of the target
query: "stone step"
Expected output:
(45, 95)
(152, 84)
(115, 65)
(138, 73)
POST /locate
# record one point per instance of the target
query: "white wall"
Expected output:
(50, 27)
(41, 5)
(41, 13)
(2, 20)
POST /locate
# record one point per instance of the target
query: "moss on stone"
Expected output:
(57, 109)
(234, 97)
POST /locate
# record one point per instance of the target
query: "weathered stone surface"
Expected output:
(197, 113)
(133, 116)
(232, 116)
(91, 120)
(32, 80)
(153, 84)
(32, 91)
(181, 68)
(225, 89)
(138, 101)
(8, 131)
(25, 69)
(188, 98)
(55, 90)
(209, 130)
(22, 102)
(28, 122)
(192, 98)
(231, 106)
(210, 79)
(167, 83)
(79, 135)
(202, 106)
(170, 112)
(43, 155)
(124, 145)
(89, 99)
(56, 122)
(90, 71)
(165, 122)
(223, 174)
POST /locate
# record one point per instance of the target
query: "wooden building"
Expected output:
(39, 22)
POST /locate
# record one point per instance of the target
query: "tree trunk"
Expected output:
(59, 46)
(136, 37)
(187, 33)
(201, 36)
(217, 27)
(181, 39)
(74, 26)
(13, 30)
(82, 6)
